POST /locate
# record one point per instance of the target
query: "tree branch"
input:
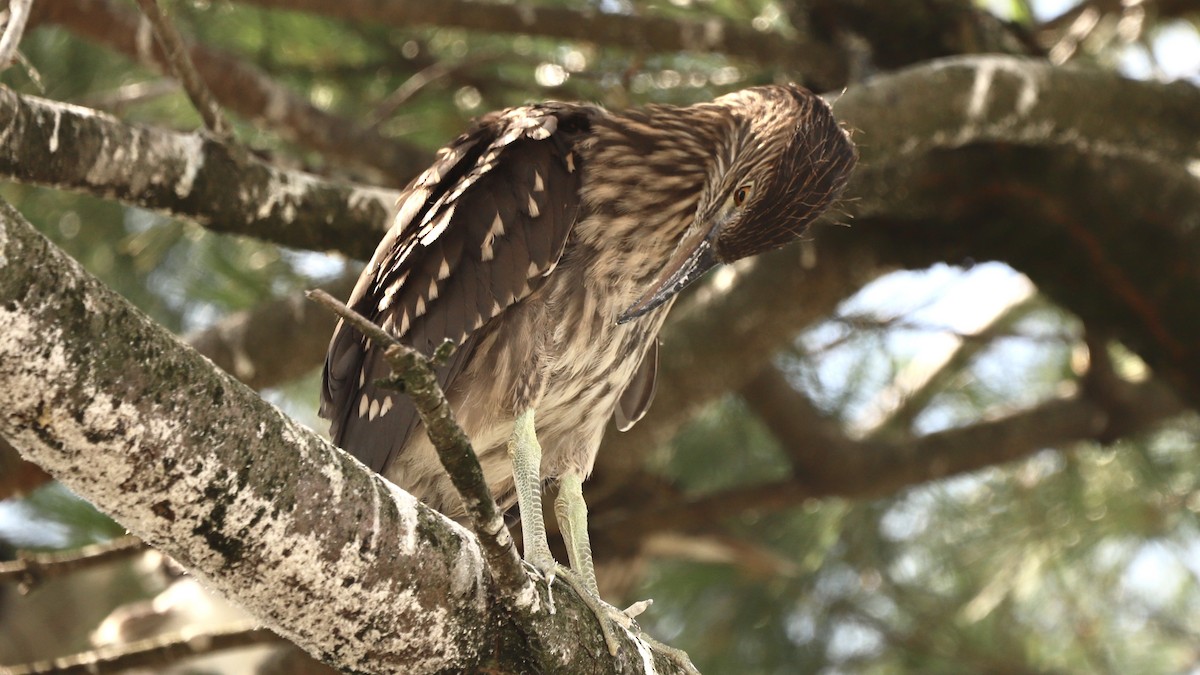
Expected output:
(872, 469)
(245, 90)
(14, 29)
(323, 551)
(150, 653)
(185, 175)
(31, 569)
(817, 62)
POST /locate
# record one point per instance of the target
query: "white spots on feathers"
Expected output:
(497, 226)
(443, 270)
(431, 176)
(538, 184)
(389, 294)
(371, 408)
(486, 252)
(412, 204)
(570, 162)
(432, 293)
(429, 236)
(533, 208)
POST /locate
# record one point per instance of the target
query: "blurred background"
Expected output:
(943, 468)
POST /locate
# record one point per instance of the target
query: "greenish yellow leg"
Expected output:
(572, 515)
(526, 456)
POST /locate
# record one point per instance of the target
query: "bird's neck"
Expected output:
(646, 172)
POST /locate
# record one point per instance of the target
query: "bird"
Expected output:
(549, 241)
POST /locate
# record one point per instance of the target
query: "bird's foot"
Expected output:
(607, 615)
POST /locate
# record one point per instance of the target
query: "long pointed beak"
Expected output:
(687, 265)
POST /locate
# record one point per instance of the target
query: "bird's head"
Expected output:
(780, 160)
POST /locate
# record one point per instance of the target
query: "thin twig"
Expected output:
(415, 372)
(150, 653)
(388, 106)
(18, 15)
(181, 64)
(31, 569)
(423, 78)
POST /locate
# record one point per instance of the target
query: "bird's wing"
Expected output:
(473, 235)
(638, 394)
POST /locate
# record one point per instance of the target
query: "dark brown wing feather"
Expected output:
(473, 235)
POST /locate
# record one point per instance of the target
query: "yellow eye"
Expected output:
(742, 194)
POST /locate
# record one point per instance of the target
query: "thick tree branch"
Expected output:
(871, 469)
(244, 89)
(185, 175)
(323, 551)
(816, 61)
(276, 342)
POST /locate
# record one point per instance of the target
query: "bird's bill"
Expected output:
(687, 265)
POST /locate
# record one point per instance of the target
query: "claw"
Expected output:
(635, 610)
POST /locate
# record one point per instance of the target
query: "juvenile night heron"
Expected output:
(549, 241)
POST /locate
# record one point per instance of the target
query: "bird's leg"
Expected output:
(571, 511)
(526, 456)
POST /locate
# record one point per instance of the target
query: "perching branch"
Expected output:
(419, 382)
(321, 550)
(181, 65)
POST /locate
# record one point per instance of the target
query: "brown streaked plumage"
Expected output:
(549, 241)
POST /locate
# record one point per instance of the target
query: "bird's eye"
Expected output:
(742, 194)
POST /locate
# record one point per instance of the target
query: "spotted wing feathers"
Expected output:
(473, 235)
